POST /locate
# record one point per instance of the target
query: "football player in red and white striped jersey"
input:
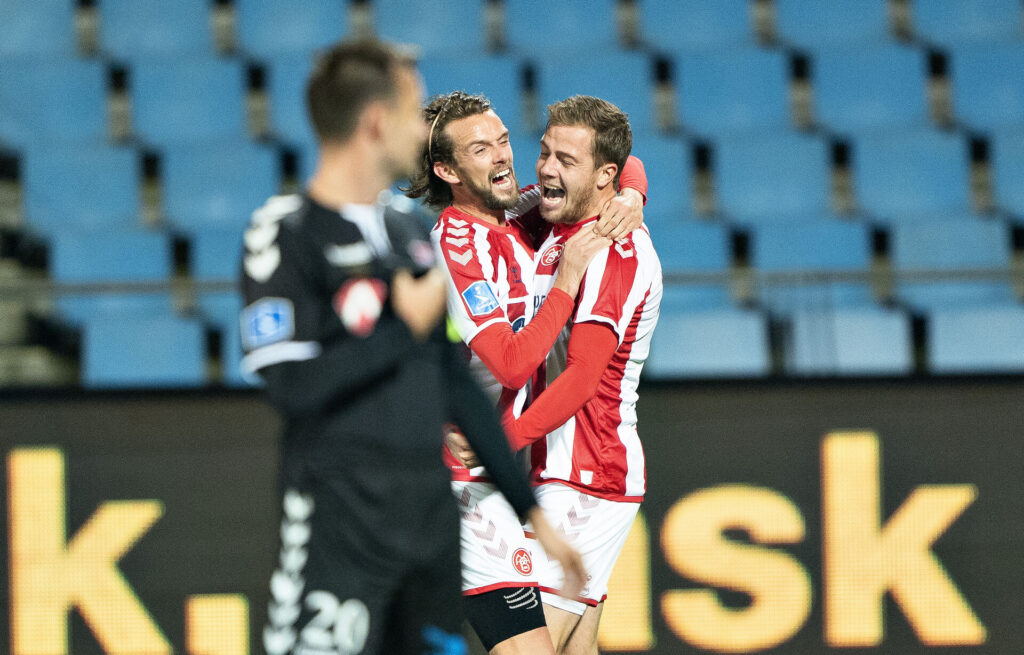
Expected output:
(586, 455)
(485, 237)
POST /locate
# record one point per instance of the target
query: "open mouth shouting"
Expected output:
(503, 179)
(552, 197)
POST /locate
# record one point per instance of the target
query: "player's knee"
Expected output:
(504, 613)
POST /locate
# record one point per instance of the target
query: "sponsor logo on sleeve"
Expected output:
(267, 321)
(480, 299)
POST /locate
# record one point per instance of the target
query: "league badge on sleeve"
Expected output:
(480, 298)
(267, 321)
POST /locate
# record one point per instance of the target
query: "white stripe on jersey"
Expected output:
(285, 351)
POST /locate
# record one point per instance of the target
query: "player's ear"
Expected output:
(374, 119)
(606, 174)
(446, 172)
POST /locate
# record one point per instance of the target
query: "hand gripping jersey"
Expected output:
(598, 450)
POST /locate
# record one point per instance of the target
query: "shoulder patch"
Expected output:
(480, 299)
(267, 321)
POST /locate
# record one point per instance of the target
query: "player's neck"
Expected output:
(346, 175)
(475, 209)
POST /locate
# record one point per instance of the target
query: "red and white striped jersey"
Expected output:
(490, 280)
(598, 449)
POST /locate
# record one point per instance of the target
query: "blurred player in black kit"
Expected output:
(343, 322)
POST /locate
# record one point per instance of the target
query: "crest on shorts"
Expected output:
(522, 562)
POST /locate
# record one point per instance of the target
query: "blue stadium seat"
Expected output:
(286, 84)
(988, 85)
(668, 163)
(772, 177)
(221, 310)
(815, 24)
(37, 28)
(859, 89)
(910, 173)
(696, 25)
(951, 245)
(987, 339)
(216, 253)
(111, 256)
(1007, 161)
(52, 99)
(73, 186)
(432, 24)
(951, 22)
(497, 77)
(152, 351)
(723, 342)
(820, 245)
(739, 90)
(188, 100)
(623, 78)
(541, 28)
(217, 184)
(849, 341)
(269, 28)
(689, 245)
(130, 29)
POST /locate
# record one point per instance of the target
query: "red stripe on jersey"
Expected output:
(619, 498)
(617, 280)
(580, 599)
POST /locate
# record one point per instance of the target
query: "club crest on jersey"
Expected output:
(359, 304)
(522, 562)
(267, 321)
(552, 254)
(480, 298)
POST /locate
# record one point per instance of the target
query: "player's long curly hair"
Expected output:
(441, 110)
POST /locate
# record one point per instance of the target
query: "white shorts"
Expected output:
(597, 528)
(495, 551)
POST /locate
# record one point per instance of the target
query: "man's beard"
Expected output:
(489, 199)
(573, 211)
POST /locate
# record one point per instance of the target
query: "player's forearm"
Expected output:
(475, 415)
(590, 349)
(343, 367)
(513, 357)
(633, 176)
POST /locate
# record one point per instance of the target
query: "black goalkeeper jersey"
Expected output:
(363, 402)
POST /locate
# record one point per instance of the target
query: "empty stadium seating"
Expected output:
(623, 78)
(1008, 170)
(733, 91)
(433, 24)
(985, 339)
(497, 77)
(188, 99)
(668, 163)
(80, 185)
(37, 28)
(861, 340)
(813, 24)
(269, 28)
(696, 25)
(853, 88)
(988, 85)
(132, 29)
(52, 99)
(209, 185)
(542, 27)
(111, 256)
(775, 176)
(951, 244)
(151, 351)
(954, 22)
(220, 310)
(689, 245)
(722, 342)
(901, 175)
